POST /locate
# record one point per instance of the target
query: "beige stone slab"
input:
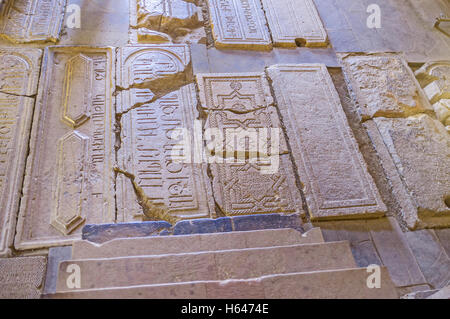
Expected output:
(22, 277)
(154, 67)
(32, 20)
(295, 22)
(348, 284)
(239, 24)
(149, 152)
(383, 85)
(168, 16)
(18, 78)
(246, 146)
(414, 152)
(69, 177)
(335, 178)
(204, 266)
(20, 70)
(193, 243)
(339, 284)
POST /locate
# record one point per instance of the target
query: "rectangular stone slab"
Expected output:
(334, 284)
(294, 22)
(331, 168)
(383, 85)
(69, 176)
(31, 20)
(415, 154)
(146, 152)
(218, 265)
(239, 24)
(19, 72)
(246, 180)
(194, 243)
(22, 277)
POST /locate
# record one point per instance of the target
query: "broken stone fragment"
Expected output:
(152, 136)
(415, 154)
(383, 85)
(168, 15)
(435, 79)
(145, 35)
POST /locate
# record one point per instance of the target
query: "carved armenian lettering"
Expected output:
(31, 20)
(69, 178)
(149, 135)
(239, 24)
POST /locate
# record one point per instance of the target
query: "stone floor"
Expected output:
(141, 119)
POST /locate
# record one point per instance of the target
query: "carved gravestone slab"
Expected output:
(415, 153)
(145, 70)
(294, 22)
(331, 168)
(384, 86)
(22, 278)
(152, 136)
(252, 173)
(239, 24)
(31, 20)
(19, 72)
(69, 175)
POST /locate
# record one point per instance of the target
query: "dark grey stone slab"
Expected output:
(105, 232)
(55, 256)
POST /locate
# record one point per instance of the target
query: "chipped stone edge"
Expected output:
(409, 208)
(355, 92)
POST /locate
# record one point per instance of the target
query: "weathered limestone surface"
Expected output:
(152, 135)
(201, 266)
(342, 284)
(239, 24)
(69, 175)
(21, 278)
(159, 245)
(294, 22)
(150, 70)
(19, 72)
(331, 168)
(435, 79)
(380, 242)
(31, 20)
(415, 154)
(247, 179)
(431, 257)
(160, 21)
(20, 68)
(384, 86)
